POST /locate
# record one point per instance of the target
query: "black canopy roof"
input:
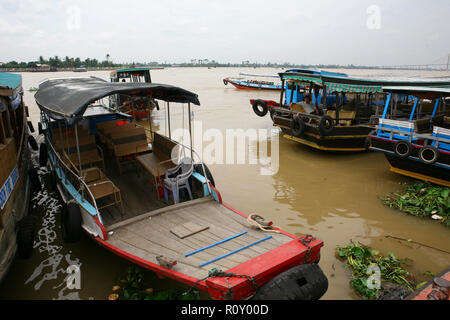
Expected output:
(70, 97)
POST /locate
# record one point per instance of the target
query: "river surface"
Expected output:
(334, 197)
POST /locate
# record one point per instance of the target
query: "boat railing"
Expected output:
(395, 133)
(309, 116)
(190, 149)
(67, 175)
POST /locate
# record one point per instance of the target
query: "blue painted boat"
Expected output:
(16, 226)
(415, 137)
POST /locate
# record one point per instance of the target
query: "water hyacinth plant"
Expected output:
(423, 200)
(359, 258)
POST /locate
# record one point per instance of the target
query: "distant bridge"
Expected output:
(442, 63)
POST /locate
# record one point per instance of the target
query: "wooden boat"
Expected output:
(16, 226)
(140, 109)
(339, 123)
(198, 240)
(436, 289)
(80, 69)
(252, 84)
(415, 137)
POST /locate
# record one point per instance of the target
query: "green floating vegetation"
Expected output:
(133, 287)
(423, 200)
(391, 271)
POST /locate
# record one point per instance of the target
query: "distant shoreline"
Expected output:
(224, 66)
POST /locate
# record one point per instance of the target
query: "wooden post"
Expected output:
(377, 101)
(282, 93)
(78, 149)
(190, 131)
(168, 119)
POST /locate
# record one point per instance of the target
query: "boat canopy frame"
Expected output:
(69, 98)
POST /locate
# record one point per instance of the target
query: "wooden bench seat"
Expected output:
(346, 116)
(99, 185)
(105, 129)
(160, 160)
(90, 152)
(129, 143)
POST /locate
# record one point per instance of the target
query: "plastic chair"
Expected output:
(181, 181)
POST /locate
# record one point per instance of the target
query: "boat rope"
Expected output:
(260, 223)
(216, 273)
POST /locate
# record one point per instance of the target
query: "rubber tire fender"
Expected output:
(225, 82)
(34, 180)
(264, 106)
(432, 149)
(25, 237)
(297, 127)
(40, 130)
(43, 155)
(71, 222)
(303, 282)
(405, 143)
(33, 143)
(30, 126)
(322, 125)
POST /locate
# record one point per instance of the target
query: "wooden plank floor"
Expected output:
(148, 235)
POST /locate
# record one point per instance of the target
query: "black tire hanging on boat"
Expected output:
(33, 143)
(34, 179)
(297, 127)
(326, 125)
(71, 222)
(43, 155)
(25, 237)
(40, 130)
(260, 103)
(429, 154)
(303, 282)
(403, 148)
(225, 82)
(30, 126)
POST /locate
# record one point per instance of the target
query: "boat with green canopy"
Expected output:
(343, 120)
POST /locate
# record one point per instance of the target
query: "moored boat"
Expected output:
(415, 137)
(436, 289)
(246, 83)
(123, 199)
(138, 109)
(339, 123)
(16, 226)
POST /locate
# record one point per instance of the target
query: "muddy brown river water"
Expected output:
(335, 197)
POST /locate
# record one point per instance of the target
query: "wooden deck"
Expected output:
(149, 235)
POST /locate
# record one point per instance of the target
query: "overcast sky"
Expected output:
(360, 32)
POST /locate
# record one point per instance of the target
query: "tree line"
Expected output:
(57, 62)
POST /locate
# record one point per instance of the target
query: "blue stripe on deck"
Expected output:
(234, 251)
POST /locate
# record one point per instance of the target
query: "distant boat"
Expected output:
(80, 69)
(245, 84)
